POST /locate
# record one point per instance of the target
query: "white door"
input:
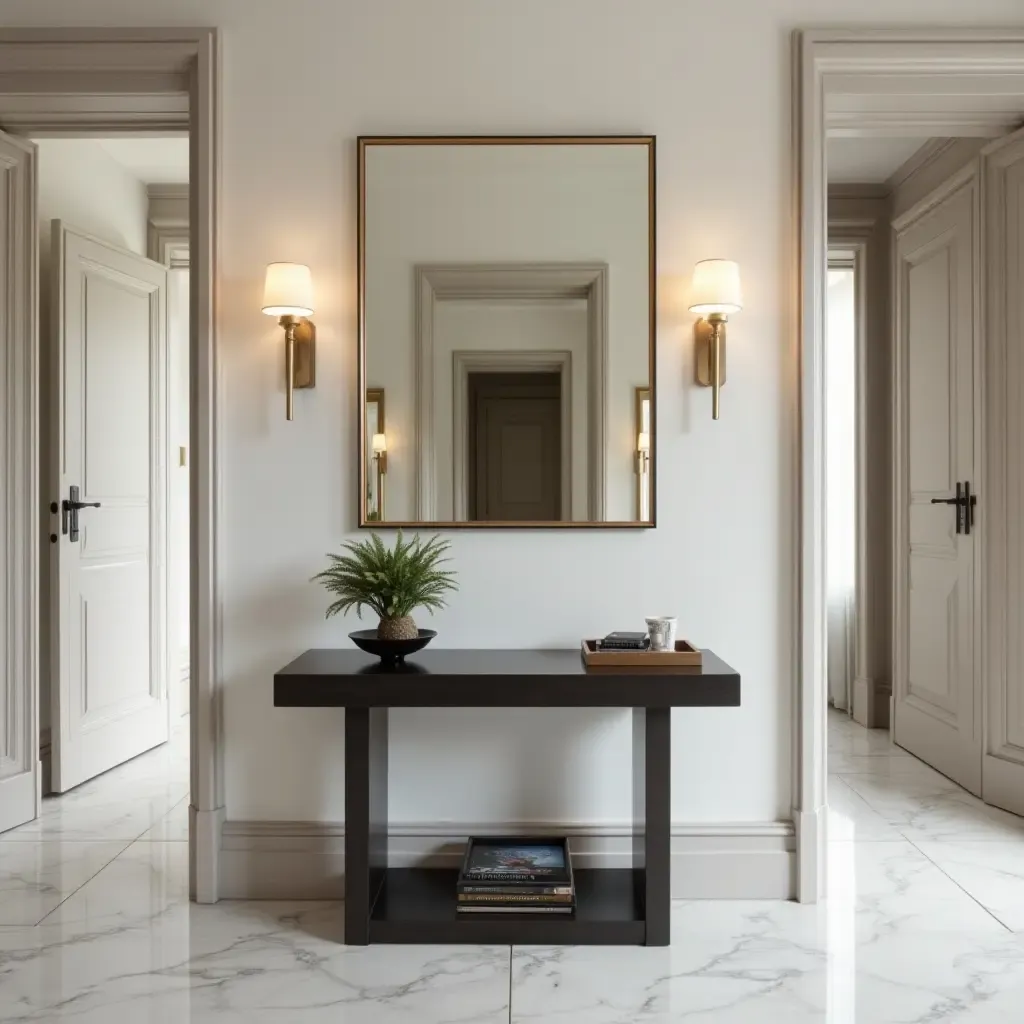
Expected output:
(19, 500)
(109, 697)
(1003, 765)
(936, 695)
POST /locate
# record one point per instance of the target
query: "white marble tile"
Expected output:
(934, 809)
(896, 941)
(992, 872)
(35, 877)
(850, 818)
(895, 763)
(172, 827)
(243, 963)
(128, 947)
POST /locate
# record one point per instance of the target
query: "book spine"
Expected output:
(517, 890)
(505, 900)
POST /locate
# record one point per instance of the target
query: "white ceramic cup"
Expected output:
(662, 631)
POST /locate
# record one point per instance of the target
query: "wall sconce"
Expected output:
(288, 295)
(642, 425)
(379, 447)
(715, 294)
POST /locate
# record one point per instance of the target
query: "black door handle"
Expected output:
(69, 512)
(965, 504)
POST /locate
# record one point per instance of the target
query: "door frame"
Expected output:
(858, 66)
(156, 81)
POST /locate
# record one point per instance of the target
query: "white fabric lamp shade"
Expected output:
(379, 443)
(288, 290)
(643, 441)
(716, 287)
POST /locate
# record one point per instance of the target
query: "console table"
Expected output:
(615, 906)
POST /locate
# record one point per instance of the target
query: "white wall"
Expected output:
(723, 557)
(82, 185)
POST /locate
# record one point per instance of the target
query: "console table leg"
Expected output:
(366, 817)
(652, 816)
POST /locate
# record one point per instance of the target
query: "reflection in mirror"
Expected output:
(507, 308)
(375, 454)
(642, 421)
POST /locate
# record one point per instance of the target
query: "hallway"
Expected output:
(924, 923)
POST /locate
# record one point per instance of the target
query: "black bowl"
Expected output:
(390, 652)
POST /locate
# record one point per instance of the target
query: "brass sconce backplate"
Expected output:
(305, 353)
(702, 345)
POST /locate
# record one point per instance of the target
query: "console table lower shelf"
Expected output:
(614, 906)
(418, 905)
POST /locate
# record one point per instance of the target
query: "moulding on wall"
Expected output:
(168, 221)
(306, 860)
(476, 281)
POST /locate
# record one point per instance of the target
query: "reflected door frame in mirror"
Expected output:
(602, 448)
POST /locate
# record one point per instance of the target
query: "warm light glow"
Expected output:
(379, 443)
(643, 442)
(716, 287)
(288, 290)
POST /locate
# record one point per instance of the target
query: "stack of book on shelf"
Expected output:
(516, 876)
(624, 641)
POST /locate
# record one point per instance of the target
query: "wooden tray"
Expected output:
(684, 654)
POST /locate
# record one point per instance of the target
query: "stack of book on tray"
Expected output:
(516, 876)
(624, 641)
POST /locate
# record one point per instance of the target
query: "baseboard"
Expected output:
(306, 860)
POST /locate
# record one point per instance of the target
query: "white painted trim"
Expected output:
(20, 535)
(540, 281)
(168, 219)
(306, 860)
(853, 58)
(155, 80)
(506, 361)
(980, 124)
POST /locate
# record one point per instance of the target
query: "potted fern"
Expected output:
(391, 582)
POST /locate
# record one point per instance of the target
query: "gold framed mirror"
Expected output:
(506, 293)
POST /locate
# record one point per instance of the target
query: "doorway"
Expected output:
(954, 229)
(79, 82)
(114, 341)
(515, 447)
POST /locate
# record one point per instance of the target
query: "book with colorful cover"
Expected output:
(524, 871)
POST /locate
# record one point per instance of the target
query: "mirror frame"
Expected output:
(363, 143)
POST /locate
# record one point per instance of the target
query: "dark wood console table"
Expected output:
(615, 906)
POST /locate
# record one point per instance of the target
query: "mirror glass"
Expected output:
(506, 290)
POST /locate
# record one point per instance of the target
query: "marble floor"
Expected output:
(924, 924)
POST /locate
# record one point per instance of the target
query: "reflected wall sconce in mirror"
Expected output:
(642, 426)
(379, 447)
(288, 295)
(715, 294)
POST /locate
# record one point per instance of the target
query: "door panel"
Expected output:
(110, 695)
(19, 516)
(1003, 766)
(936, 689)
(516, 447)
